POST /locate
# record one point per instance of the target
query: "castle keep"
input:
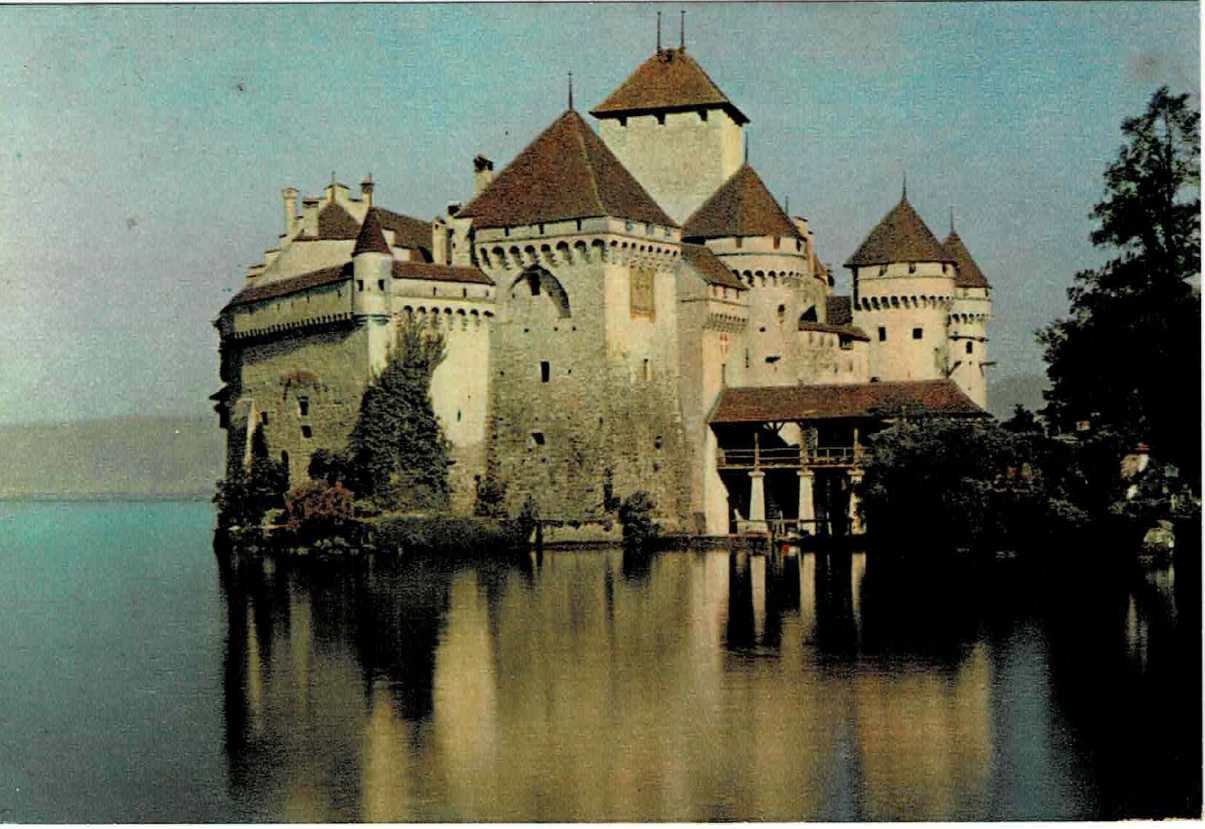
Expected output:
(625, 309)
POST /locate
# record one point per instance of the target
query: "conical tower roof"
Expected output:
(901, 236)
(967, 273)
(670, 80)
(371, 238)
(741, 207)
(567, 172)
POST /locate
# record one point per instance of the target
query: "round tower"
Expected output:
(372, 264)
(969, 316)
(903, 292)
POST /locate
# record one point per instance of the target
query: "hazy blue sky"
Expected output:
(142, 149)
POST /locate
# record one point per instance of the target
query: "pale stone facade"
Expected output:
(598, 297)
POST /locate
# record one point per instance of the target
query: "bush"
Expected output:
(636, 516)
(448, 537)
(318, 508)
(491, 498)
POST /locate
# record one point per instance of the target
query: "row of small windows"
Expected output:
(740, 243)
(464, 292)
(912, 268)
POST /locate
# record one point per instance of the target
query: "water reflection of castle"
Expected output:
(563, 691)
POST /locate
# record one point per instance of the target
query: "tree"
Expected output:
(1022, 421)
(399, 455)
(247, 494)
(1128, 357)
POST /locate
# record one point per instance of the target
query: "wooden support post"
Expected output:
(756, 448)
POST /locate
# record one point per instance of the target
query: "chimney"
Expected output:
(483, 174)
(289, 194)
(439, 241)
(366, 190)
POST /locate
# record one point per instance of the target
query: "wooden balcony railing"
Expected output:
(791, 456)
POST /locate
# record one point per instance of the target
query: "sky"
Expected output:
(143, 148)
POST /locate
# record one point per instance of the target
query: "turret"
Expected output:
(372, 264)
(969, 316)
(903, 290)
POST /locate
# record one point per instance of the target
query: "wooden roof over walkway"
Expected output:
(785, 404)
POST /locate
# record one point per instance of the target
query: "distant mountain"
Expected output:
(1025, 389)
(137, 457)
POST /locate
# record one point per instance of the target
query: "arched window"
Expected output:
(809, 315)
(540, 282)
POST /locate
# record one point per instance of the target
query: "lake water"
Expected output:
(141, 684)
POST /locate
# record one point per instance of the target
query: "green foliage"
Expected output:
(397, 455)
(1022, 421)
(244, 498)
(1128, 357)
(636, 517)
(491, 498)
(444, 536)
(947, 484)
(318, 508)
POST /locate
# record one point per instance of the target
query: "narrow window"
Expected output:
(284, 458)
(303, 406)
(464, 292)
(970, 347)
(911, 267)
(918, 333)
(777, 242)
(380, 284)
(723, 374)
(458, 415)
(263, 418)
(435, 292)
(533, 282)
(658, 443)
(579, 224)
(645, 372)
(882, 270)
(545, 371)
(740, 242)
(882, 334)
(359, 284)
(537, 438)
(782, 313)
(306, 431)
(747, 355)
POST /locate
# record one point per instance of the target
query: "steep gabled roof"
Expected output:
(669, 81)
(407, 232)
(967, 273)
(838, 310)
(707, 265)
(820, 402)
(565, 173)
(336, 223)
(901, 236)
(371, 238)
(742, 206)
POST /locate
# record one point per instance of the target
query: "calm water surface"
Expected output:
(141, 684)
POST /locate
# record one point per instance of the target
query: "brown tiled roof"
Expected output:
(967, 273)
(565, 173)
(407, 232)
(742, 206)
(851, 331)
(439, 273)
(284, 287)
(336, 223)
(901, 236)
(371, 238)
(707, 265)
(838, 310)
(791, 403)
(670, 80)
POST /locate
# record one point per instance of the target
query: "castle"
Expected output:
(624, 309)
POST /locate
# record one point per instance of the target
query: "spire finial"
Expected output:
(658, 31)
(787, 206)
(682, 30)
(571, 90)
(746, 147)
(951, 219)
(905, 194)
